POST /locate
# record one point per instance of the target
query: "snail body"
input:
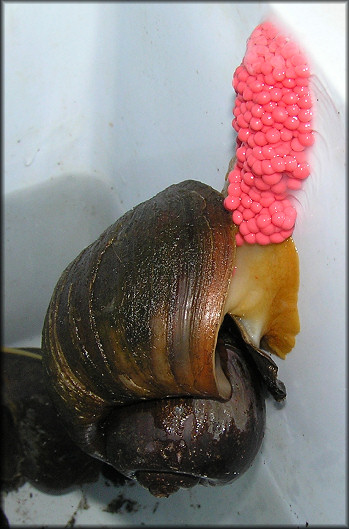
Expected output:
(144, 328)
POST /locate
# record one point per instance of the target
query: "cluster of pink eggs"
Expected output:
(273, 121)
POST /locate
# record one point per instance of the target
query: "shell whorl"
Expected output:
(136, 315)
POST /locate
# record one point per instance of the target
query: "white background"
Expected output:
(107, 104)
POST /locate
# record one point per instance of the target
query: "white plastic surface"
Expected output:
(105, 105)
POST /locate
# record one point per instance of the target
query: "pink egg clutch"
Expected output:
(273, 121)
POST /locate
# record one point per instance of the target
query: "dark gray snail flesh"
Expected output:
(155, 344)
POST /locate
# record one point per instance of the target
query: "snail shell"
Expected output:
(179, 442)
(36, 447)
(136, 317)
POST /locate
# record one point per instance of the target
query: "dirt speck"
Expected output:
(71, 521)
(121, 504)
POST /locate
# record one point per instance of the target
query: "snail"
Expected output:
(36, 448)
(157, 337)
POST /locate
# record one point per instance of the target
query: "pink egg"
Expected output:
(266, 68)
(296, 145)
(286, 233)
(258, 153)
(237, 217)
(236, 111)
(302, 171)
(286, 134)
(305, 114)
(260, 184)
(252, 226)
(290, 98)
(268, 230)
(257, 110)
(290, 163)
(289, 50)
(248, 178)
(275, 94)
(250, 158)
(261, 39)
(256, 123)
(291, 123)
(280, 187)
(276, 238)
(305, 102)
(244, 187)
(257, 167)
(241, 122)
(278, 164)
(257, 86)
(301, 90)
(262, 239)
(235, 125)
(306, 139)
(302, 70)
(260, 138)
(282, 148)
(246, 201)
(290, 73)
(247, 214)
(267, 119)
(231, 202)
(288, 223)
(267, 152)
(247, 93)
(263, 220)
(297, 59)
(234, 190)
(273, 135)
(250, 141)
(243, 134)
(304, 126)
(239, 240)
(241, 153)
(256, 207)
(250, 238)
(279, 114)
(300, 156)
(272, 179)
(262, 98)
(289, 210)
(292, 110)
(234, 176)
(278, 219)
(240, 87)
(278, 74)
(275, 207)
(267, 167)
(267, 199)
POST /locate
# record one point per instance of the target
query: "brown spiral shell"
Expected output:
(136, 315)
